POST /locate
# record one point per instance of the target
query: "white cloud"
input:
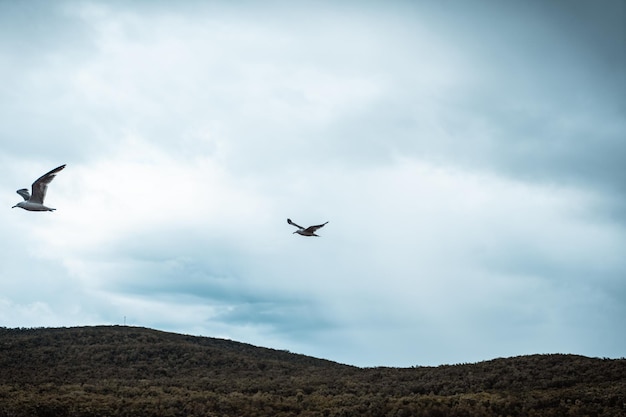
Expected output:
(456, 211)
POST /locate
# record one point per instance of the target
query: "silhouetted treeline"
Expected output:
(129, 371)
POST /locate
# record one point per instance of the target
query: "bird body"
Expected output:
(309, 231)
(27, 205)
(34, 202)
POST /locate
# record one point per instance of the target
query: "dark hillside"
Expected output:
(129, 371)
(83, 354)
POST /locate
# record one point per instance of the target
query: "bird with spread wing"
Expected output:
(309, 231)
(34, 202)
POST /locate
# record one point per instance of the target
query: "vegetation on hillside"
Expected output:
(129, 371)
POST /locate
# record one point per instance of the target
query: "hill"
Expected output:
(130, 371)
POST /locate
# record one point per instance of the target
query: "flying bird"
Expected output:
(35, 202)
(309, 231)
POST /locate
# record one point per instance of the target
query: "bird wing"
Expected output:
(40, 186)
(293, 224)
(314, 228)
(24, 193)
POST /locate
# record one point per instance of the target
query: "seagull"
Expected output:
(309, 231)
(35, 202)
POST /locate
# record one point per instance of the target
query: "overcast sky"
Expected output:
(468, 155)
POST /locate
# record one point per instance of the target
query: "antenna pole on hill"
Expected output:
(124, 320)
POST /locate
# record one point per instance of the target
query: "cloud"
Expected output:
(468, 162)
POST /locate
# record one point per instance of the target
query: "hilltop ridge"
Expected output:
(120, 370)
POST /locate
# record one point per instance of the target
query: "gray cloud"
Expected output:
(466, 155)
